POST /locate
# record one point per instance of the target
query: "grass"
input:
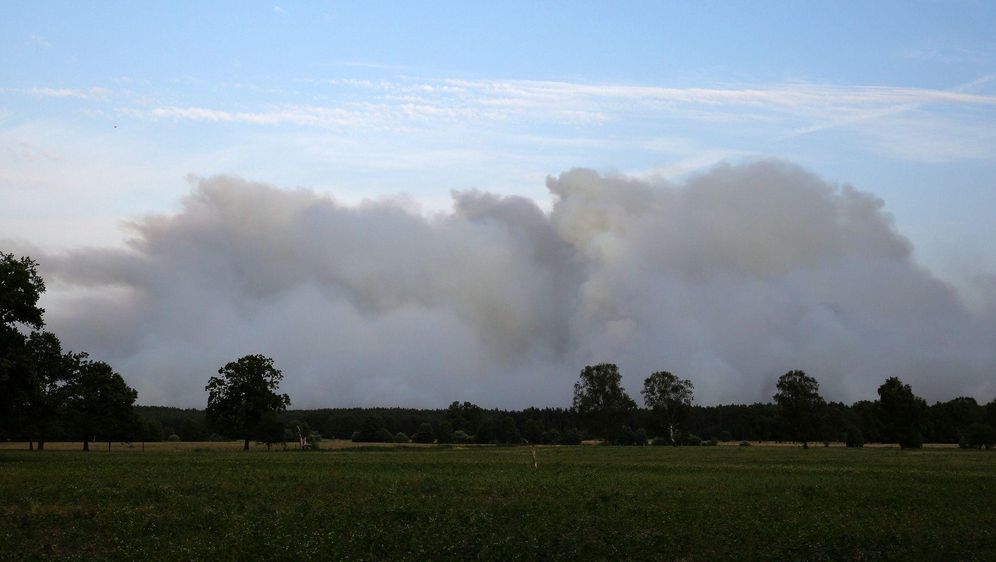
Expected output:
(370, 503)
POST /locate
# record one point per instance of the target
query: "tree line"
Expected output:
(48, 394)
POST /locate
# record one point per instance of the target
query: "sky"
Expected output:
(122, 125)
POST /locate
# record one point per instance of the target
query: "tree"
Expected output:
(669, 397)
(51, 371)
(269, 430)
(97, 401)
(978, 435)
(425, 434)
(242, 395)
(800, 404)
(20, 289)
(904, 414)
(600, 399)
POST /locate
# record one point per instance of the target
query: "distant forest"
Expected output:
(947, 422)
(47, 394)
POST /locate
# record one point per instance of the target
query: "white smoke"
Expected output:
(730, 279)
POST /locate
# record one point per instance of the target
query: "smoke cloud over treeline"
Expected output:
(730, 279)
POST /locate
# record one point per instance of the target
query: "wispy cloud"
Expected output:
(37, 42)
(94, 93)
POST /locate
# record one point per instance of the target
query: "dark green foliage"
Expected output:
(373, 431)
(97, 401)
(400, 437)
(693, 440)
(601, 401)
(460, 437)
(669, 398)
(570, 436)
(242, 394)
(444, 432)
(498, 430)
(425, 434)
(903, 413)
(532, 431)
(978, 436)
(20, 289)
(661, 441)
(270, 430)
(854, 438)
(800, 405)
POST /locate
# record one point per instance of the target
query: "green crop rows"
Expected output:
(589, 502)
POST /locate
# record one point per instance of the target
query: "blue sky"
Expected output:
(106, 109)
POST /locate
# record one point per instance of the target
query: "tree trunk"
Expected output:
(41, 444)
(86, 443)
(108, 445)
(245, 446)
(670, 428)
(31, 445)
(805, 444)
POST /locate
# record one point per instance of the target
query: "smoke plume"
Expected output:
(730, 278)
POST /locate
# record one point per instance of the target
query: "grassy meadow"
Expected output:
(191, 501)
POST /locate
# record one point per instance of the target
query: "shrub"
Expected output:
(660, 441)
(725, 436)
(444, 432)
(551, 437)
(693, 440)
(745, 443)
(911, 440)
(460, 436)
(710, 443)
(570, 437)
(425, 434)
(977, 436)
(853, 437)
(400, 437)
(640, 437)
(173, 437)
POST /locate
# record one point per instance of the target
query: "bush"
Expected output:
(745, 443)
(660, 441)
(570, 437)
(444, 432)
(425, 434)
(640, 437)
(725, 436)
(977, 436)
(853, 437)
(693, 440)
(551, 437)
(173, 437)
(400, 437)
(460, 436)
(710, 443)
(911, 440)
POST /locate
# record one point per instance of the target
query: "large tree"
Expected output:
(600, 399)
(669, 397)
(800, 405)
(97, 401)
(51, 370)
(242, 394)
(20, 289)
(904, 414)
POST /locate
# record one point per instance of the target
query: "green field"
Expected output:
(695, 503)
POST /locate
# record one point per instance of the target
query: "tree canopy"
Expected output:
(669, 397)
(800, 405)
(904, 414)
(600, 398)
(243, 393)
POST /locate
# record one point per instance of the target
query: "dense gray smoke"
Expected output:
(730, 279)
